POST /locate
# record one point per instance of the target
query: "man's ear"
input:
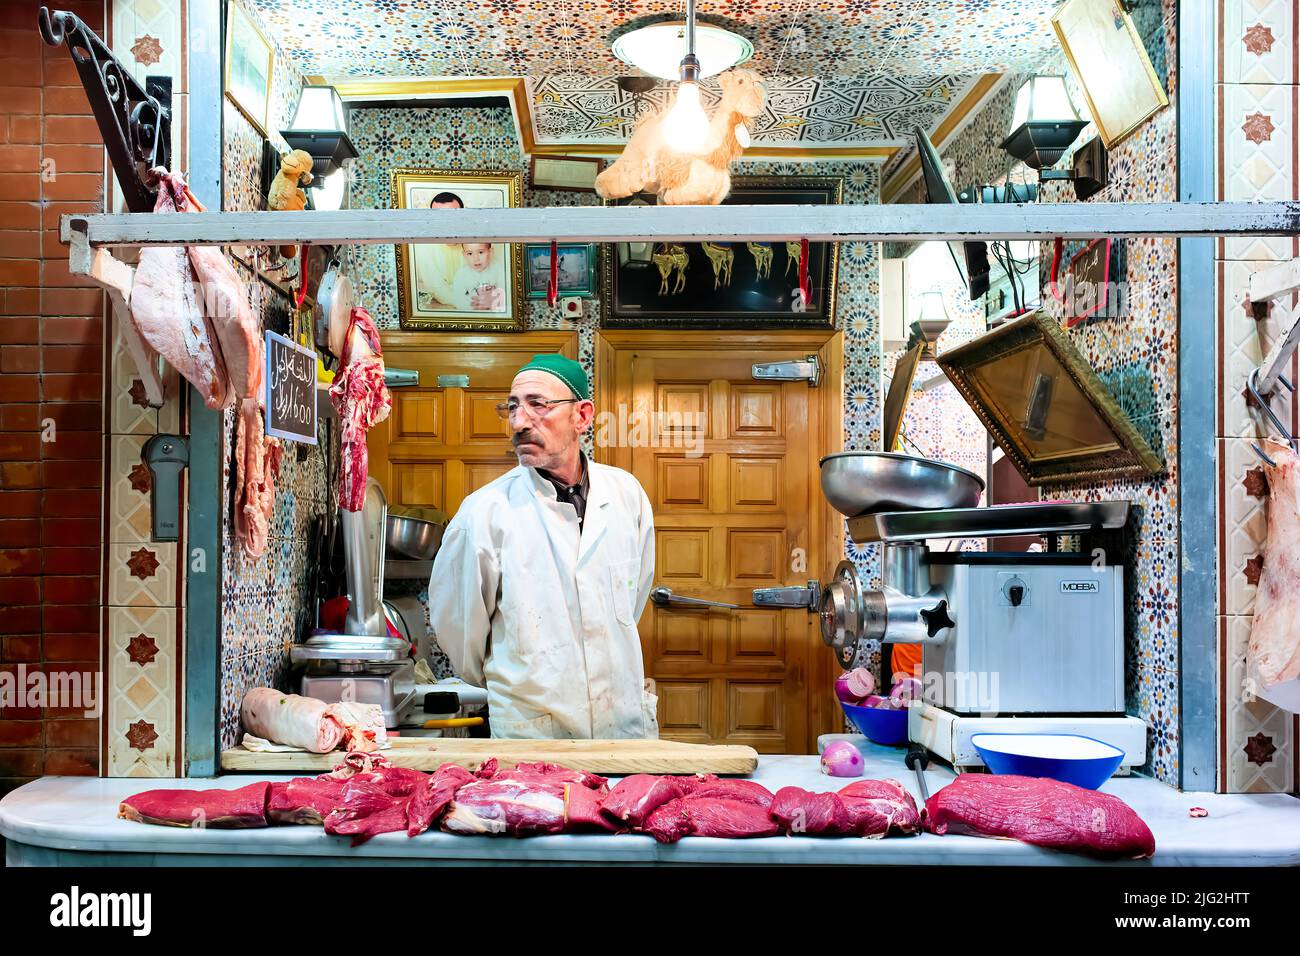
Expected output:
(586, 412)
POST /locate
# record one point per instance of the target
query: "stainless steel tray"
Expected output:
(989, 522)
(350, 647)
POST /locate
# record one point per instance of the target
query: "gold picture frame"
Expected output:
(439, 290)
(1112, 66)
(248, 69)
(1045, 406)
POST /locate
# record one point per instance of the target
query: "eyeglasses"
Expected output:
(536, 407)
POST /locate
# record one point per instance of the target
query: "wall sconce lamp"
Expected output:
(320, 127)
(930, 324)
(1044, 125)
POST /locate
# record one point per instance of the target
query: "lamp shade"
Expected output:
(658, 49)
(320, 108)
(1043, 99)
(1044, 122)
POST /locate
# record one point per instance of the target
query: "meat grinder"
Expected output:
(1013, 633)
(363, 662)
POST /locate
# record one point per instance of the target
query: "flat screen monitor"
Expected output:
(938, 190)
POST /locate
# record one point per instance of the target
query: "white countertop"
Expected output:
(79, 814)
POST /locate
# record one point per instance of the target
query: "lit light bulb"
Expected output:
(686, 127)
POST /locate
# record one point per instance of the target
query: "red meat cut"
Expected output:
(512, 807)
(582, 810)
(710, 817)
(634, 798)
(1041, 812)
(367, 810)
(214, 809)
(866, 808)
(431, 800)
(707, 785)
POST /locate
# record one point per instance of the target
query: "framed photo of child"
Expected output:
(469, 286)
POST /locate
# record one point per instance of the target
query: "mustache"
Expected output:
(519, 438)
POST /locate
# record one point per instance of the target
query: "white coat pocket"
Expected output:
(650, 712)
(624, 577)
(538, 728)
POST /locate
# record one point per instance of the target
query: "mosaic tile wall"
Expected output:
(264, 602)
(484, 139)
(1136, 355)
(1259, 89)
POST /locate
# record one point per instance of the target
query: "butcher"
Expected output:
(542, 575)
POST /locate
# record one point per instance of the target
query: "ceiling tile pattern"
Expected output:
(850, 38)
(799, 111)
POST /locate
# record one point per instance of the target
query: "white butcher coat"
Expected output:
(543, 618)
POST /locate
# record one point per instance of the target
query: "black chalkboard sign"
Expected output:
(290, 390)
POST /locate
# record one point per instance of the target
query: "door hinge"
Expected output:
(807, 369)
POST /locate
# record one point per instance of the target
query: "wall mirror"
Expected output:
(1046, 407)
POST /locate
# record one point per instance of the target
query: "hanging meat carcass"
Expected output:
(166, 311)
(362, 401)
(1273, 654)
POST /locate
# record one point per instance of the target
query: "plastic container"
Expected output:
(877, 724)
(1071, 758)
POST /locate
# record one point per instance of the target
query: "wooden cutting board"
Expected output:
(596, 756)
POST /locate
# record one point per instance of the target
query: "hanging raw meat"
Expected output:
(1273, 655)
(257, 468)
(166, 311)
(362, 401)
(224, 302)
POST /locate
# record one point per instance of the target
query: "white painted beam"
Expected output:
(903, 223)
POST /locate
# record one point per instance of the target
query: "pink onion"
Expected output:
(907, 688)
(861, 682)
(844, 692)
(841, 759)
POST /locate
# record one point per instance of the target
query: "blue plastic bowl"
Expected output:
(877, 725)
(1072, 758)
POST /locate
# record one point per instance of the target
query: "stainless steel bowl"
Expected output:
(865, 482)
(414, 538)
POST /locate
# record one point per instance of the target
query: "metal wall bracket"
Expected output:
(805, 597)
(796, 370)
(135, 126)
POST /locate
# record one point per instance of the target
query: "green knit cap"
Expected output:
(565, 369)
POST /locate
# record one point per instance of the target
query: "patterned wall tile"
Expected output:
(1260, 740)
(129, 497)
(1258, 158)
(142, 574)
(1258, 40)
(141, 707)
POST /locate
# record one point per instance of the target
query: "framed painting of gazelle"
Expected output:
(726, 284)
(470, 286)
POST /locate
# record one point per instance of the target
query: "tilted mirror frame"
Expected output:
(1134, 458)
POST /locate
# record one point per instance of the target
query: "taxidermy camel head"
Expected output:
(701, 177)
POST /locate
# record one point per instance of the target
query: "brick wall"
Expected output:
(51, 387)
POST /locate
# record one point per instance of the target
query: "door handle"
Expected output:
(664, 597)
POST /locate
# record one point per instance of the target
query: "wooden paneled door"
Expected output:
(730, 464)
(442, 441)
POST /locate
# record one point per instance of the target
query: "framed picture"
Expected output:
(250, 58)
(1045, 406)
(574, 174)
(726, 285)
(1111, 64)
(576, 274)
(470, 286)
(1087, 282)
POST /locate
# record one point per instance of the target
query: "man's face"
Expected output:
(550, 440)
(445, 205)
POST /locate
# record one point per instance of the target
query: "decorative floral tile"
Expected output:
(140, 704)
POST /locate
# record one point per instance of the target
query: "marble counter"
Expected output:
(72, 820)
